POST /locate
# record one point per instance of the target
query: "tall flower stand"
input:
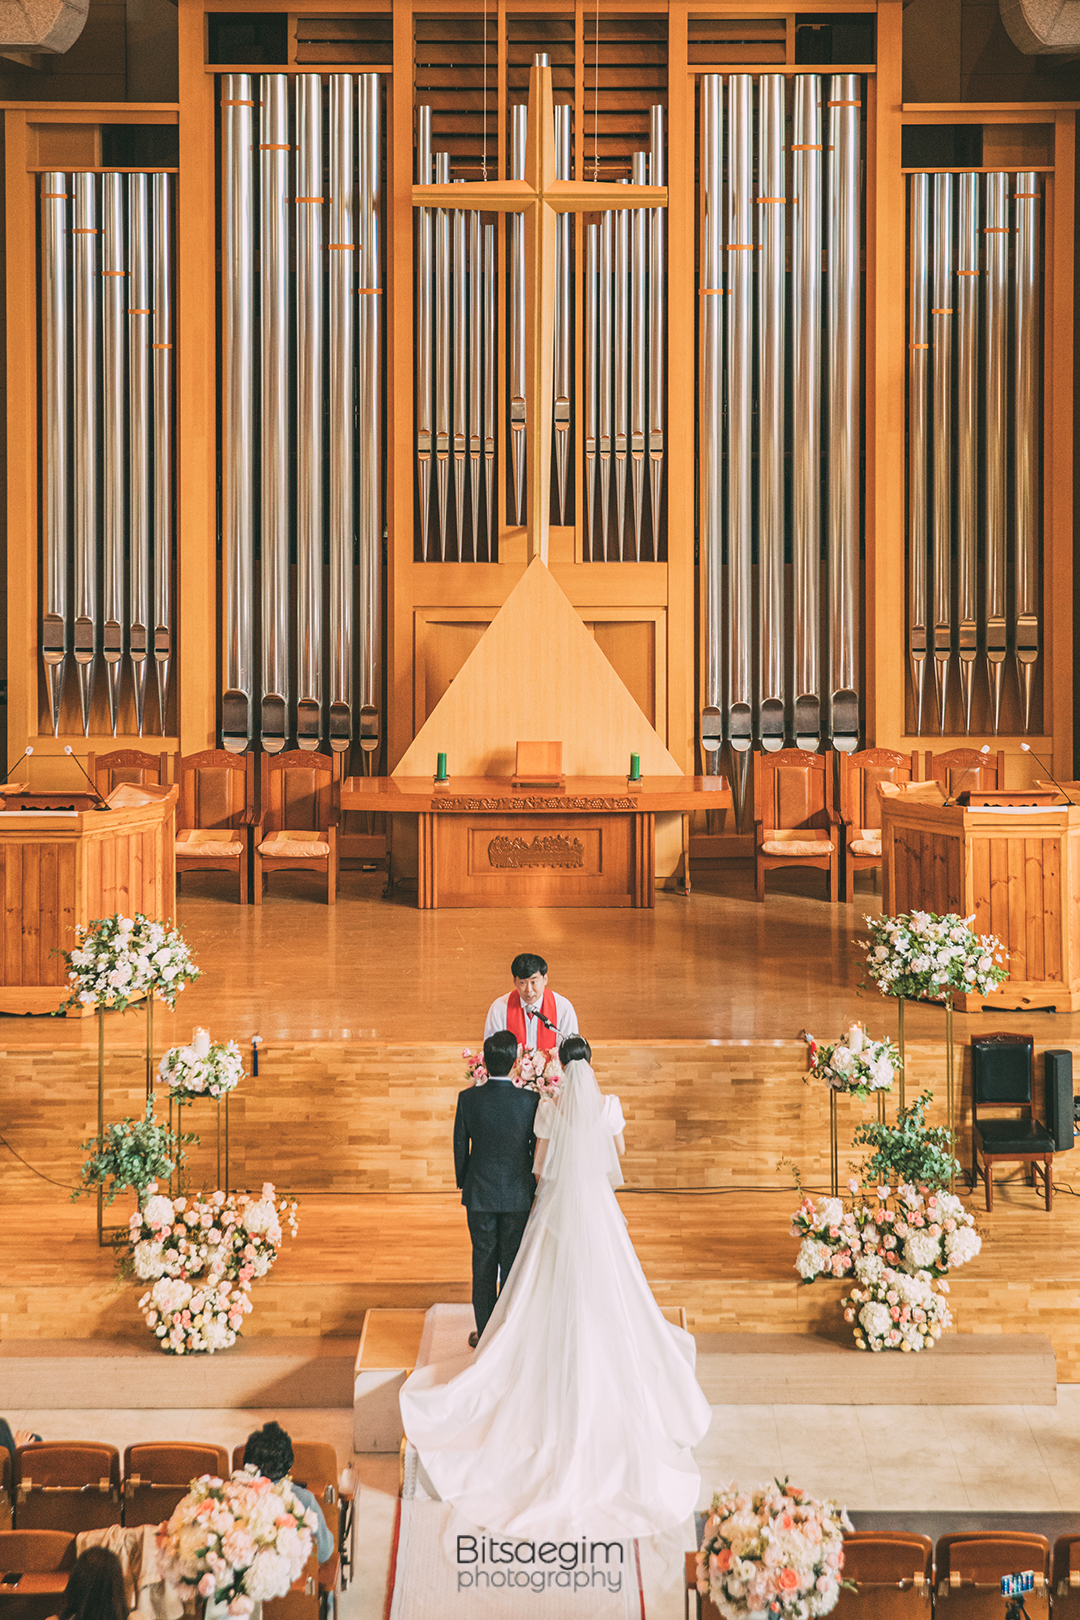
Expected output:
(834, 1142)
(176, 1183)
(900, 1043)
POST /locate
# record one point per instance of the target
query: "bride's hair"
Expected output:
(575, 1049)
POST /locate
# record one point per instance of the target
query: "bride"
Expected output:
(578, 1409)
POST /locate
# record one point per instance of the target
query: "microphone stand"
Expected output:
(27, 751)
(1029, 750)
(101, 804)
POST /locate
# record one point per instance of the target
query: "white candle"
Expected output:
(855, 1038)
(201, 1043)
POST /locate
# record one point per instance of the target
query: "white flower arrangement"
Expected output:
(240, 1541)
(924, 957)
(855, 1064)
(895, 1310)
(911, 1229)
(188, 1075)
(772, 1551)
(118, 960)
(194, 1319)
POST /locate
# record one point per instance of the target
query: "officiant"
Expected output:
(539, 1017)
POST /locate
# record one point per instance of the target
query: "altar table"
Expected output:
(478, 841)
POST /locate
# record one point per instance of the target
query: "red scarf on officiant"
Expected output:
(546, 1039)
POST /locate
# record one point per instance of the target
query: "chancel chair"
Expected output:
(966, 770)
(44, 1559)
(969, 1566)
(215, 814)
(107, 771)
(1065, 1578)
(1001, 1077)
(158, 1477)
(861, 776)
(893, 1572)
(298, 818)
(795, 823)
(69, 1486)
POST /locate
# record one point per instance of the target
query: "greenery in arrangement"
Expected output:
(134, 1154)
(910, 1151)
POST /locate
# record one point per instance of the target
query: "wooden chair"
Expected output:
(963, 770)
(67, 1486)
(860, 805)
(794, 820)
(894, 1574)
(1065, 1578)
(298, 818)
(158, 1477)
(106, 771)
(969, 1567)
(1022, 1140)
(215, 814)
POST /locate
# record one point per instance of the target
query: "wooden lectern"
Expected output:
(64, 862)
(1017, 869)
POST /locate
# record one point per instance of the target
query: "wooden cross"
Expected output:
(540, 197)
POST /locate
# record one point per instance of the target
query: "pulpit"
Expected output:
(1016, 869)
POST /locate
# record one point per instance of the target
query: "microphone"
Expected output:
(1027, 749)
(546, 1021)
(27, 751)
(950, 798)
(101, 805)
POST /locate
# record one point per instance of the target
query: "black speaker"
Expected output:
(1059, 1098)
(1001, 1067)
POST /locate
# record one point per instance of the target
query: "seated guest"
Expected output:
(11, 1441)
(536, 1015)
(269, 1450)
(95, 1588)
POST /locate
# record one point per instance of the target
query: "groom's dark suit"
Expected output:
(493, 1155)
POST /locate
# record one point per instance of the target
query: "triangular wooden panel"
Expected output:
(536, 675)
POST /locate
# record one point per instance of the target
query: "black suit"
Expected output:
(493, 1156)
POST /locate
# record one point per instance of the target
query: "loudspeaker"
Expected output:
(1059, 1098)
(1001, 1068)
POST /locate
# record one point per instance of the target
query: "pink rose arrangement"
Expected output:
(538, 1071)
(772, 1551)
(239, 1541)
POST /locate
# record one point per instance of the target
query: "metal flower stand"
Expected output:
(950, 1068)
(176, 1183)
(106, 1234)
(834, 1143)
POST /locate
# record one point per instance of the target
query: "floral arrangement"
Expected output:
(924, 957)
(475, 1072)
(534, 1070)
(855, 1064)
(188, 1074)
(134, 1153)
(118, 959)
(239, 1541)
(202, 1255)
(772, 1551)
(912, 1230)
(895, 1310)
(910, 1151)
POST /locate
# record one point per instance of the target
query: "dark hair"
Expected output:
(575, 1049)
(269, 1450)
(525, 965)
(95, 1588)
(500, 1053)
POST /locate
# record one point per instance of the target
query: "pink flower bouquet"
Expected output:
(772, 1551)
(239, 1541)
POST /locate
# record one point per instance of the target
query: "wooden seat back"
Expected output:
(107, 771)
(969, 1567)
(157, 1477)
(315, 1466)
(792, 790)
(67, 1486)
(6, 1514)
(962, 770)
(298, 792)
(860, 777)
(217, 789)
(1065, 1577)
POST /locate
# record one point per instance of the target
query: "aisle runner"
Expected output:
(443, 1566)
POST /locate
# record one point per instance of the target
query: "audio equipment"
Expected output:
(1058, 1072)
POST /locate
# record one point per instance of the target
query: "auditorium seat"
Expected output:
(68, 1486)
(43, 1558)
(1065, 1578)
(157, 1477)
(894, 1573)
(969, 1567)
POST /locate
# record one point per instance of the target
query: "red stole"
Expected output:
(546, 1039)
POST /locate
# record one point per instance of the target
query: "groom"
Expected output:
(493, 1157)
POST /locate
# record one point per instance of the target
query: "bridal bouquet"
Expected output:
(912, 1230)
(894, 1310)
(924, 957)
(538, 1071)
(241, 1541)
(188, 1075)
(855, 1064)
(772, 1551)
(118, 959)
(475, 1072)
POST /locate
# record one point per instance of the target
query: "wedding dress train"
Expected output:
(577, 1413)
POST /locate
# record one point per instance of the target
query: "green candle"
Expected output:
(635, 767)
(440, 769)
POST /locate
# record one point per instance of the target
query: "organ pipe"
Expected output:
(638, 348)
(604, 412)
(424, 351)
(310, 385)
(996, 232)
(563, 333)
(274, 408)
(85, 385)
(770, 316)
(621, 301)
(112, 433)
(442, 351)
(476, 377)
(490, 268)
(138, 328)
(918, 368)
(515, 228)
(656, 327)
(161, 368)
(941, 326)
(806, 405)
(369, 320)
(967, 371)
(1026, 451)
(711, 428)
(591, 383)
(844, 312)
(238, 542)
(459, 276)
(342, 403)
(740, 318)
(56, 427)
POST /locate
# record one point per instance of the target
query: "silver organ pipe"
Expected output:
(515, 230)
(967, 369)
(113, 276)
(309, 409)
(711, 429)
(591, 383)
(638, 348)
(57, 435)
(490, 270)
(770, 314)
(845, 180)
(369, 320)
(476, 378)
(1026, 452)
(740, 330)
(424, 352)
(162, 393)
(656, 327)
(918, 438)
(274, 402)
(139, 329)
(442, 350)
(459, 278)
(621, 301)
(85, 380)
(604, 412)
(806, 405)
(563, 333)
(941, 327)
(238, 540)
(341, 413)
(996, 232)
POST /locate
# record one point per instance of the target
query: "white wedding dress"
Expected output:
(577, 1412)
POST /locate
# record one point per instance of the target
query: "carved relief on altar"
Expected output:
(544, 850)
(592, 801)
